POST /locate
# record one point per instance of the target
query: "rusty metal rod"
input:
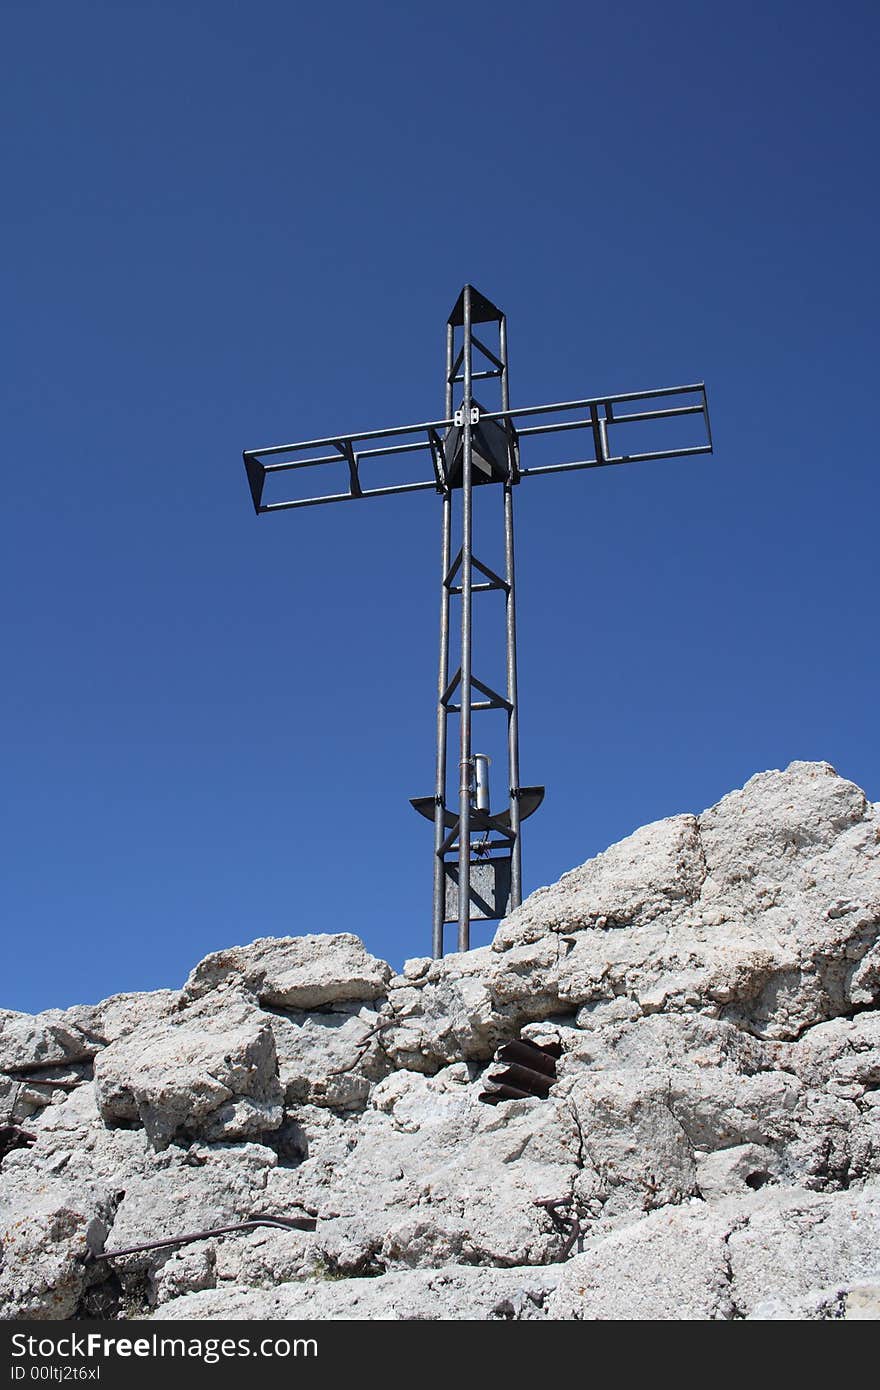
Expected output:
(294, 1223)
(515, 1074)
(551, 1205)
(53, 1085)
(500, 1090)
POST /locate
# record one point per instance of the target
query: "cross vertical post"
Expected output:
(482, 879)
(464, 762)
(510, 614)
(439, 899)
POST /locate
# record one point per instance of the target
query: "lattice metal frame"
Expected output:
(472, 447)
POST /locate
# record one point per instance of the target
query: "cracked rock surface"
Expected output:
(710, 1147)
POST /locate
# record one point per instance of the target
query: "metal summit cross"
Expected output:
(472, 447)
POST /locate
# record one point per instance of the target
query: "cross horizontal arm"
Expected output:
(333, 438)
(596, 414)
(651, 395)
(346, 496)
(259, 463)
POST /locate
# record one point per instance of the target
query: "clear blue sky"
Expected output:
(231, 224)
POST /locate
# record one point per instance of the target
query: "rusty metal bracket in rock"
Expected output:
(14, 1137)
(521, 1070)
(363, 1046)
(284, 1223)
(568, 1224)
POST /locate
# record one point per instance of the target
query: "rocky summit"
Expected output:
(709, 1148)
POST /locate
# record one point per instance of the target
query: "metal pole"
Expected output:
(510, 612)
(442, 713)
(464, 765)
(442, 717)
(513, 713)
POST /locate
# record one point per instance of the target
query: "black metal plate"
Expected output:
(530, 799)
(490, 889)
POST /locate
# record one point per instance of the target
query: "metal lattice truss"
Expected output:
(478, 850)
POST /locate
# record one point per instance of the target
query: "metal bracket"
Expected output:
(458, 418)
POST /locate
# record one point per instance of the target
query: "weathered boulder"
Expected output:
(701, 1262)
(740, 1259)
(428, 1176)
(445, 1011)
(295, 972)
(208, 1072)
(32, 1041)
(182, 1191)
(43, 1238)
(642, 879)
(774, 942)
(49, 1195)
(330, 1058)
(45, 1055)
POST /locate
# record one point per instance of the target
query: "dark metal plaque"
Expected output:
(490, 889)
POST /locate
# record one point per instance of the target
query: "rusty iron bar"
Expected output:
(521, 1070)
(285, 1223)
(502, 1090)
(535, 1083)
(70, 1085)
(530, 1054)
(364, 1046)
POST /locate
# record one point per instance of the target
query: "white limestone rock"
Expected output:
(42, 1054)
(642, 879)
(73, 1175)
(858, 1302)
(774, 941)
(714, 984)
(330, 1058)
(182, 1191)
(699, 1261)
(453, 1293)
(446, 1013)
(790, 1243)
(120, 1014)
(59, 1037)
(187, 1270)
(211, 1072)
(741, 1168)
(295, 972)
(763, 1256)
(48, 1039)
(428, 1176)
(43, 1240)
(672, 1265)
